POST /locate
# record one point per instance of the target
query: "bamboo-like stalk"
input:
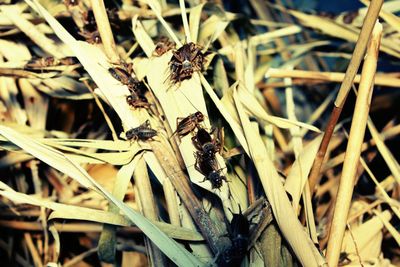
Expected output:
(142, 182)
(383, 79)
(368, 25)
(104, 28)
(353, 151)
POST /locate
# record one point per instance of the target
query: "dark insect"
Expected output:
(124, 76)
(68, 61)
(326, 14)
(185, 61)
(42, 62)
(186, 125)
(50, 62)
(136, 101)
(92, 37)
(136, 88)
(344, 258)
(239, 230)
(349, 17)
(205, 143)
(71, 2)
(121, 75)
(143, 132)
(208, 166)
(163, 46)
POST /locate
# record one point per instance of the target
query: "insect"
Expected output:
(349, 17)
(185, 61)
(239, 230)
(92, 37)
(136, 88)
(124, 76)
(163, 46)
(205, 143)
(50, 62)
(186, 125)
(42, 62)
(143, 132)
(121, 75)
(208, 166)
(136, 101)
(71, 2)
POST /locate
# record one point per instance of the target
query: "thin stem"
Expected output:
(353, 151)
(383, 80)
(185, 21)
(369, 22)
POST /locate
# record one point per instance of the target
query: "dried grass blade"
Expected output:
(194, 21)
(287, 221)
(157, 11)
(255, 108)
(108, 238)
(96, 64)
(300, 169)
(386, 197)
(385, 218)
(37, 109)
(185, 21)
(64, 211)
(14, 14)
(225, 113)
(142, 37)
(59, 161)
(45, 153)
(384, 151)
(367, 236)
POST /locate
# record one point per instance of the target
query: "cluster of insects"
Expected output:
(136, 88)
(207, 145)
(143, 132)
(185, 61)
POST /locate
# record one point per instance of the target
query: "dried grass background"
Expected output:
(284, 83)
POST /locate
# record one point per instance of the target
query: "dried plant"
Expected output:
(198, 134)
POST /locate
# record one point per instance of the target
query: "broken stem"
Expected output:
(368, 25)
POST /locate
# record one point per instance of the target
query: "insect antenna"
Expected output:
(189, 101)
